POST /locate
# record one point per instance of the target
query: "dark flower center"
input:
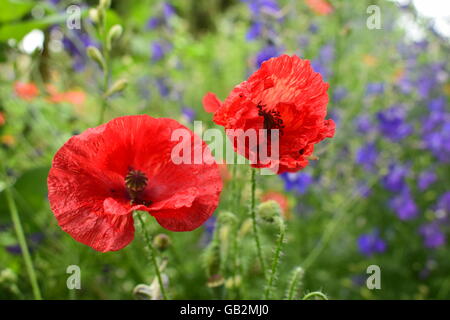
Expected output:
(272, 118)
(136, 182)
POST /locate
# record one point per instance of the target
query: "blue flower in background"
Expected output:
(154, 22)
(258, 7)
(255, 31)
(371, 243)
(426, 178)
(266, 53)
(444, 203)
(367, 156)
(392, 123)
(298, 182)
(375, 88)
(438, 142)
(432, 235)
(168, 10)
(364, 124)
(403, 205)
(363, 189)
(395, 179)
(188, 113)
(75, 44)
(162, 86)
(159, 50)
(339, 93)
(322, 62)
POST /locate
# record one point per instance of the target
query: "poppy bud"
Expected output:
(114, 33)
(96, 55)
(269, 211)
(117, 86)
(161, 241)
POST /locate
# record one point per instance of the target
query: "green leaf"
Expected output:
(11, 10)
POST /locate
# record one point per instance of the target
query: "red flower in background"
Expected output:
(284, 94)
(26, 91)
(75, 97)
(101, 176)
(321, 7)
(2, 119)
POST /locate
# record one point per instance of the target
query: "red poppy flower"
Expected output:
(284, 94)
(321, 7)
(26, 91)
(2, 119)
(101, 176)
(75, 97)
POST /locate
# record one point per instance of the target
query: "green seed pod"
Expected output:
(94, 15)
(114, 33)
(269, 211)
(105, 4)
(117, 86)
(96, 55)
(161, 242)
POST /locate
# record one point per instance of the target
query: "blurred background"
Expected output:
(378, 195)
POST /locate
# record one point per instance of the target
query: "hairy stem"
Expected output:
(255, 226)
(153, 256)
(275, 261)
(294, 283)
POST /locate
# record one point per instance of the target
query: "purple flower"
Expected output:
(394, 181)
(426, 178)
(404, 206)
(432, 235)
(162, 86)
(258, 7)
(266, 53)
(158, 51)
(188, 113)
(438, 142)
(168, 10)
(254, 31)
(364, 124)
(153, 23)
(339, 94)
(375, 88)
(367, 156)
(444, 202)
(392, 123)
(363, 189)
(298, 182)
(371, 243)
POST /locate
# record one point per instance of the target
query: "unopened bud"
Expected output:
(215, 280)
(142, 292)
(114, 33)
(96, 55)
(245, 228)
(117, 86)
(161, 241)
(105, 4)
(269, 211)
(94, 16)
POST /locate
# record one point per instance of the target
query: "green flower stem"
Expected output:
(275, 260)
(255, 226)
(294, 283)
(23, 243)
(315, 294)
(106, 68)
(152, 256)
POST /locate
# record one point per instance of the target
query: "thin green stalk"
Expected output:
(153, 256)
(294, 283)
(315, 294)
(275, 261)
(255, 226)
(106, 69)
(23, 243)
